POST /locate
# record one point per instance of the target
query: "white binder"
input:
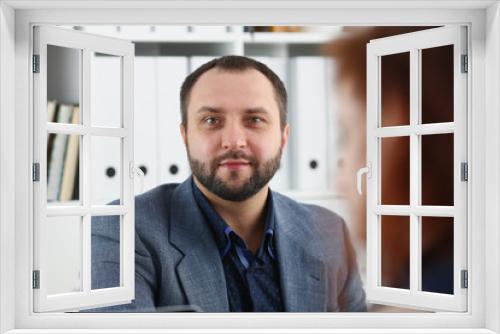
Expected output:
(146, 148)
(173, 162)
(309, 122)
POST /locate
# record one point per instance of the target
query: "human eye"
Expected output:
(256, 120)
(211, 121)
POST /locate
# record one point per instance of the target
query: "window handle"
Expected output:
(140, 173)
(365, 170)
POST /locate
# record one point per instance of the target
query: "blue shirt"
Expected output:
(252, 281)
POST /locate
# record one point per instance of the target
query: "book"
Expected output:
(51, 115)
(51, 110)
(70, 161)
(57, 151)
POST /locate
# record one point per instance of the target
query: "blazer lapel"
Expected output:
(302, 275)
(200, 269)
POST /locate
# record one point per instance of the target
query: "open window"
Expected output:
(67, 142)
(17, 211)
(400, 227)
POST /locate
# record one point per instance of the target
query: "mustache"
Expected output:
(234, 155)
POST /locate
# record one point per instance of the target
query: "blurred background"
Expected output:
(327, 119)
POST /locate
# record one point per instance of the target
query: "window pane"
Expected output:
(63, 82)
(395, 171)
(106, 251)
(106, 170)
(107, 90)
(64, 250)
(395, 251)
(437, 169)
(437, 84)
(437, 254)
(63, 169)
(395, 89)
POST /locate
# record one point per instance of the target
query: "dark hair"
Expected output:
(235, 64)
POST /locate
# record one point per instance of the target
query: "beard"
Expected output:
(262, 173)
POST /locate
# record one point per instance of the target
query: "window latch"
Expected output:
(135, 171)
(365, 170)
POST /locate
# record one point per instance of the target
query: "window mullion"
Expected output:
(127, 253)
(415, 252)
(418, 129)
(87, 191)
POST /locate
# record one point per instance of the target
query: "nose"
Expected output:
(233, 137)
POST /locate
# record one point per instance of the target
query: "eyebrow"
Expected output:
(256, 110)
(209, 109)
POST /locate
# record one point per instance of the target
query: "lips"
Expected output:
(234, 164)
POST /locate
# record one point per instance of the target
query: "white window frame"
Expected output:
(16, 19)
(87, 45)
(413, 43)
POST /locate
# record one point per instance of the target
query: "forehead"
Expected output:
(221, 88)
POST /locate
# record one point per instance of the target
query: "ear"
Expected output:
(183, 133)
(284, 136)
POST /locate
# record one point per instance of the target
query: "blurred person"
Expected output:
(349, 54)
(222, 240)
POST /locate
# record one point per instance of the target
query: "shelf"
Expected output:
(209, 34)
(287, 37)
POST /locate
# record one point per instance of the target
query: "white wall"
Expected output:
(493, 182)
(7, 175)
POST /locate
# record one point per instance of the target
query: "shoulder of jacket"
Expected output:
(318, 213)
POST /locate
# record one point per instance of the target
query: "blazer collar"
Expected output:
(302, 274)
(200, 269)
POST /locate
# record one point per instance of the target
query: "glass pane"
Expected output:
(437, 169)
(395, 89)
(437, 254)
(63, 169)
(437, 84)
(395, 170)
(395, 251)
(105, 251)
(106, 170)
(107, 90)
(63, 83)
(64, 250)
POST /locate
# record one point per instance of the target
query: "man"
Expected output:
(222, 241)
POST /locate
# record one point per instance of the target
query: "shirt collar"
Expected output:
(223, 232)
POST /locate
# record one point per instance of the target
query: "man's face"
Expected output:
(233, 136)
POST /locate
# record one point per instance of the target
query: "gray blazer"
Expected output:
(178, 263)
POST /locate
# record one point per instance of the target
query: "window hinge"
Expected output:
(36, 63)
(36, 279)
(465, 279)
(36, 172)
(465, 64)
(464, 171)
